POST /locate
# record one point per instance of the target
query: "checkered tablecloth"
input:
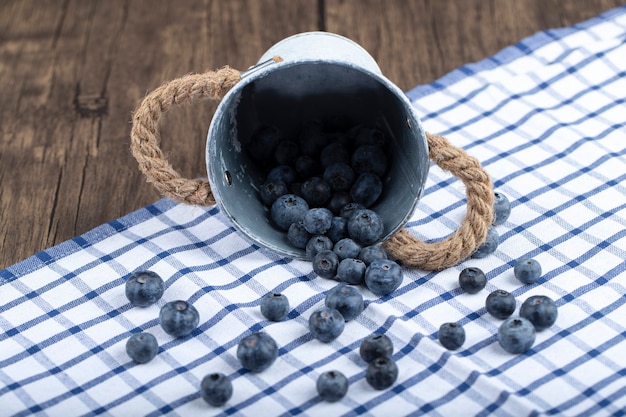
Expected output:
(546, 117)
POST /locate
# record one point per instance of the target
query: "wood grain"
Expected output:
(72, 71)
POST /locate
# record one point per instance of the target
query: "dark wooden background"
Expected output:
(72, 71)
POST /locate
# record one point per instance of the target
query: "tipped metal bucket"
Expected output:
(321, 75)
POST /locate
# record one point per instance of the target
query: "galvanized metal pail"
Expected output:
(321, 75)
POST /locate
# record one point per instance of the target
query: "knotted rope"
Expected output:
(412, 252)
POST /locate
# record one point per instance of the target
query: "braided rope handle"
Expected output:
(412, 252)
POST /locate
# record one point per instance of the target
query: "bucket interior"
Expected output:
(290, 96)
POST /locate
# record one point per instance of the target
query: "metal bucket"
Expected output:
(321, 75)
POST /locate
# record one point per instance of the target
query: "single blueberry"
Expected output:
(275, 306)
(325, 264)
(365, 227)
(282, 173)
(381, 373)
(369, 158)
(316, 191)
(317, 244)
(383, 276)
(263, 142)
(335, 153)
(351, 271)
(257, 351)
(350, 209)
(369, 254)
(297, 235)
(367, 135)
(501, 209)
(332, 386)
(500, 304)
(345, 299)
(312, 138)
(338, 229)
(516, 335)
(472, 280)
(144, 288)
(451, 335)
(142, 347)
(347, 248)
(326, 324)
(338, 201)
(306, 166)
(270, 191)
(366, 189)
(540, 310)
(318, 220)
(489, 245)
(216, 389)
(339, 176)
(286, 152)
(179, 318)
(375, 346)
(527, 270)
(288, 209)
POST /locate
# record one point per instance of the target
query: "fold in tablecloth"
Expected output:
(546, 117)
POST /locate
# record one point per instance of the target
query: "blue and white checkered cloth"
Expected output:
(546, 117)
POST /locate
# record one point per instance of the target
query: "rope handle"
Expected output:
(412, 252)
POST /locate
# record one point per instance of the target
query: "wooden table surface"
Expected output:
(72, 72)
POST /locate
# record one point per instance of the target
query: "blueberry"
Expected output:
(375, 346)
(326, 324)
(312, 138)
(142, 347)
(365, 227)
(286, 152)
(316, 191)
(263, 142)
(332, 386)
(472, 280)
(500, 304)
(347, 248)
(366, 135)
(178, 318)
(451, 336)
(307, 166)
(282, 173)
(501, 208)
(516, 335)
(270, 191)
(335, 153)
(317, 244)
(527, 270)
(488, 246)
(369, 254)
(144, 288)
(297, 235)
(318, 220)
(288, 209)
(325, 264)
(275, 306)
(351, 271)
(338, 201)
(382, 277)
(369, 158)
(345, 299)
(339, 176)
(540, 310)
(381, 373)
(366, 189)
(216, 389)
(338, 229)
(257, 351)
(350, 209)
